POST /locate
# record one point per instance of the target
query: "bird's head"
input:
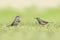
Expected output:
(18, 19)
(37, 18)
(17, 16)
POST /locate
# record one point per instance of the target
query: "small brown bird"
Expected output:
(42, 22)
(16, 21)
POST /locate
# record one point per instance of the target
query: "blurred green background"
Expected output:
(28, 28)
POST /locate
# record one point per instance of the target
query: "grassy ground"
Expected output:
(29, 29)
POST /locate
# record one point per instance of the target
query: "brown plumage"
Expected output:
(16, 21)
(42, 22)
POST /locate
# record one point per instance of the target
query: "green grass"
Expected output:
(29, 29)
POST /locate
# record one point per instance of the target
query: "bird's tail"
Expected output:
(51, 22)
(8, 25)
